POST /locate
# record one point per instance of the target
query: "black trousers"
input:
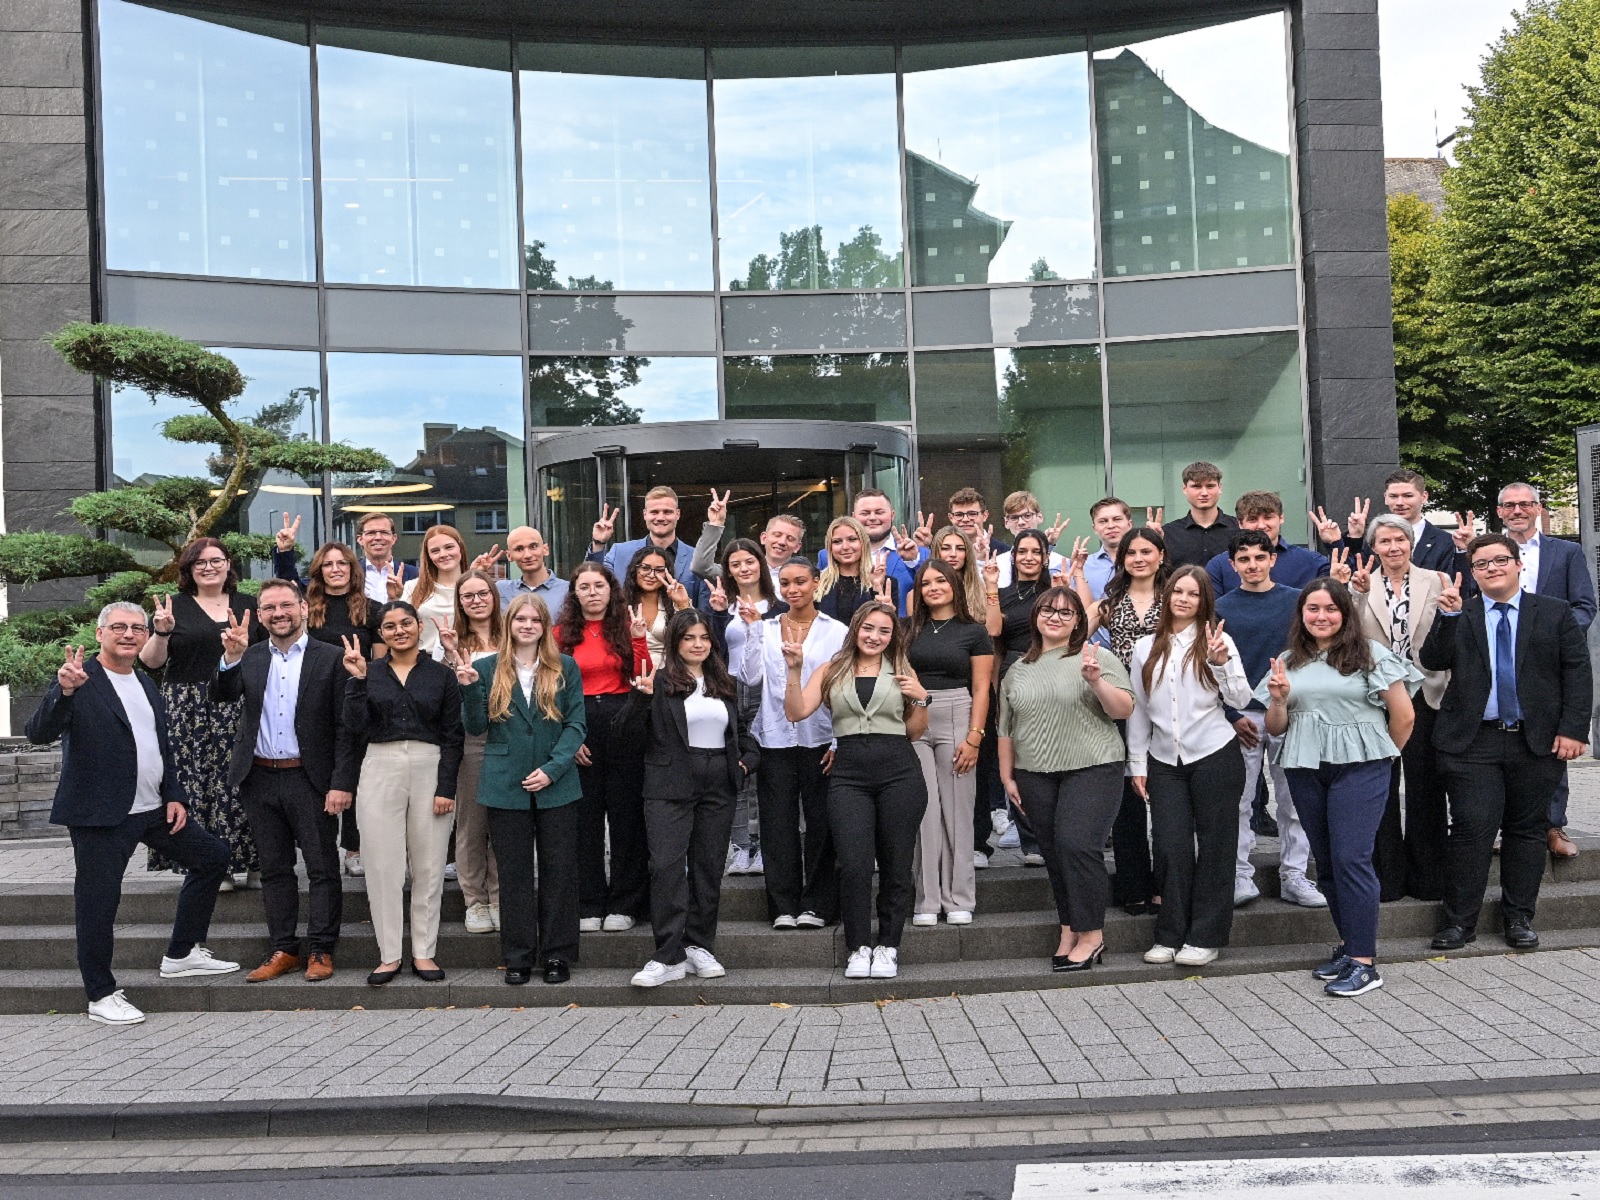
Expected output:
(1427, 809)
(285, 811)
(100, 855)
(688, 849)
(800, 870)
(990, 794)
(543, 924)
(1134, 881)
(349, 833)
(1497, 786)
(611, 800)
(876, 797)
(1073, 812)
(1194, 817)
(1389, 844)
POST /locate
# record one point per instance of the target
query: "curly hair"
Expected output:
(614, 622)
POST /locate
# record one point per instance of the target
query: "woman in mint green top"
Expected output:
(528, 698)
(1342, 703)
(1061, 761)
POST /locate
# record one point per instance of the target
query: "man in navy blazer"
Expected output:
(119, 787)
(661, 515)
(1405, 494)
(375, 534)
(1550, 567)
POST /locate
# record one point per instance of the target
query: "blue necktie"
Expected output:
(1505, 667)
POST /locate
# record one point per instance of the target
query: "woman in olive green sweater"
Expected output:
(528, 698)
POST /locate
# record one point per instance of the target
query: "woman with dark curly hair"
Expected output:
(185, 646)
(652, 595)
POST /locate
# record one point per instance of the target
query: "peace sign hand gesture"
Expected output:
(355, 662)
(1080, 553)
(1466, 529)
(677, 593)
(1055, 531)
(636, 626)
(717, 510)
(1450, 596)
(394, 580)
(71, 675)
(794, 654)
(450, 640)
(487, 560)
(1361, 579)
(1339, 564)
(1278, 682)
(1091, 665)
(924, 531)
(236, 637)
(719, 596)
(1327, 528)
(606, 526)
(162, 620)
(991, 572)
(906, 544)
(878, 572)
(1356, 524)
(748, 612)
(287, 535)
(1152, 517)
(1218, 649)
(645, 682)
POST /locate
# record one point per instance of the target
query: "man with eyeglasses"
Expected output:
(119, 788)
(1550, 567)
(375, 534)
(1515, 712)
(1021, 512)
(968, 513)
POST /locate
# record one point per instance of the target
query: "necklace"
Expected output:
(938, 626)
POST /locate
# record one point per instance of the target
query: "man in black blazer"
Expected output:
(1515, 712)
(119, 788)
(294, 772)
(1405, 494)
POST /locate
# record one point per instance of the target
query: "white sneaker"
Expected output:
(589, 924)
(703, 963)
(1010, 839)
(1033, 860)
(450, 872)
(198, 961)
(860, 964)
(756, 868)
(810, 920)
(999, 821)
(740, 863)
(478, 919)
(1244, 891)
(1160, 954)
(959, 917)
(924, 920)
(353, 867)
(252, 880)
(785, 922)
(114, 1010)
(980, 860)
(885, 962)
(1297, 889)
(494, 916)
(654, 974)
(617, 923)
(227, 884)
(1195, 956)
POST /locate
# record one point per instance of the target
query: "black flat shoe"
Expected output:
(428, 974)
(1137, 909)
(379, 978)
(1521, 936)
(1452, 937)
(1062, 964)
(516, 976)
(555, 971)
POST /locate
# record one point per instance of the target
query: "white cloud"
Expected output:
(1432, 51)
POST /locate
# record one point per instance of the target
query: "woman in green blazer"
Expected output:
(528, 698)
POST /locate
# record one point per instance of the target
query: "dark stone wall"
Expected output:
(1345, 250)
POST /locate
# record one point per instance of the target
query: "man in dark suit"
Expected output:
(119, 788)
(294, 772)
(1405, 494)
(1515, 712)
(1550, 567)
(376, 535)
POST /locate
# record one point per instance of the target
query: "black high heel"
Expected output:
(1062, 964)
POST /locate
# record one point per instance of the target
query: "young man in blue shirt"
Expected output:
(1294, 566)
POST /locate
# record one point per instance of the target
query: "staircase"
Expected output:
(1006, 948)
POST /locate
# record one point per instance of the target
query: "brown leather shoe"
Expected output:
(319, 967)
(279, 963)
(1561, 846)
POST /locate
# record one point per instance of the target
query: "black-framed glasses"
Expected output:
(1057, 614)
(646, 570)
(1519, 504)
(210, 564)
(1500, 560)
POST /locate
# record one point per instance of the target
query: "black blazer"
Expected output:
(99, 758)
(329, 759)
(663, 726)
(1554, 684)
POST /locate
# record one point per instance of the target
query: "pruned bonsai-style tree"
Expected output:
(170, 512)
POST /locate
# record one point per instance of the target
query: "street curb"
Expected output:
(378, 1115)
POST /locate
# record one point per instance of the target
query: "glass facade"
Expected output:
(949, 239)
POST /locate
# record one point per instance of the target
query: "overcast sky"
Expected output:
(1432, 49)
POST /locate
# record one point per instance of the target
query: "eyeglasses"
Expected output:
(1057, 614)
(652, 570)
(122, 629)
(475, 597)
(401, 627)
(1500, 561)
(1032, 518)
(1519, 504)
(967, 514)
(210, 564)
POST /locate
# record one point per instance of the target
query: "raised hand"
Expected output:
(1080, 553)
(636, 626)
(748, 612)
(1328, 531)
(1055, 531)
(1361, 578)
(450, 640)
(794, 653)
(1356, 523)
(606, 526)
(1218, 649)
(487, 560)
(466, 673)
(645, 682)
(71, 676)
(1278, 682)
(236, 637)
(1339, 564)
(985, 549)
(878, 572)
(719, 596)
(355, 662)
(1465, 531)
(1152, 517)
(923, 535)
(1450, 595)
(287, 535)
(1092, 673)
(991, 573)
(394, 580)
(717, 510)
(677, 593)
(162, 620)
(906, 544)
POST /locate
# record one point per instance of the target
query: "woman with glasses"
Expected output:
(1061, 762)
(653, 595)
(477, 630)
(185, 645)
(853, 577)
(404, 712)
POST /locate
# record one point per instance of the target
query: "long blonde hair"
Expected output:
(830, 573)
(547, 677)
(971, 577)
(427, 575)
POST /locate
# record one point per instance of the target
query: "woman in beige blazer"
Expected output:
(1398, 609)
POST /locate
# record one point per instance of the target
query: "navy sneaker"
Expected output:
(1358, 979)
(1334, 967)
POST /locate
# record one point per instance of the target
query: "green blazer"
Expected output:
(526, 741)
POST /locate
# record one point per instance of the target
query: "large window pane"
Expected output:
(1194, 149)
(415, 408)
(808, 191)
(1234, 401)
(615, 168)
(207, 143)
(819, 387)
(416, 159)
(569, 502)
(998, 163)
(592, 390)
(1004, 420)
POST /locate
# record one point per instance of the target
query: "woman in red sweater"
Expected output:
(608, 644)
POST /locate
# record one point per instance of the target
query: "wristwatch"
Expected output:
(923, 703)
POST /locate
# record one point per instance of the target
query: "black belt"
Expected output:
(1505, 726)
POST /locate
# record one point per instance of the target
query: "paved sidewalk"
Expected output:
(1502, 1017)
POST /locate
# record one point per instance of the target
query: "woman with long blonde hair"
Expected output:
(531, 709)
(433, 592)
(954, 548)
(853, 576)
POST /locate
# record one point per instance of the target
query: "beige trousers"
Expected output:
(946, 880)
(395, 815)
(475, 866)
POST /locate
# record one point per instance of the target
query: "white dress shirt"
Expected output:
(1530, 564)
(1181, 720)
(276, 737)
(763, 666)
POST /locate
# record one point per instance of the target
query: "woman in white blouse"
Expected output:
(1185, 761)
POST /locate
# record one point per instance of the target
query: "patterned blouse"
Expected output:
(1126, 627)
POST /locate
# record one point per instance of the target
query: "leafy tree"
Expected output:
(804, 262)
(582, 389)
(171, 512)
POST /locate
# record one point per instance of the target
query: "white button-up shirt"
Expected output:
(276, 738)
(1530, 564)
(763, 666)
(1181, 720)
